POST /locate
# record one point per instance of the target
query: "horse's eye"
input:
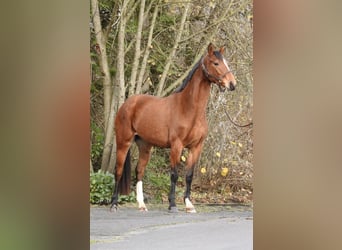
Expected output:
(216, 63)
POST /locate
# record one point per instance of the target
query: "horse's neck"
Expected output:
(195, 96)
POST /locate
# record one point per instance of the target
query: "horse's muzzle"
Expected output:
(231, 86)
(223, 87)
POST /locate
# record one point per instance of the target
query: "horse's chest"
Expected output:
(195, 133)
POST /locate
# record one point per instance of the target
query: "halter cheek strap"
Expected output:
(208, 75)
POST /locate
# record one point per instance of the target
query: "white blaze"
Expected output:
(225, 63)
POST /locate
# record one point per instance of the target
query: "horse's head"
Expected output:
(216, 69)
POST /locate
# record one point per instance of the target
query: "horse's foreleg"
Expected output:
(188, 205)
(190, 165)
(172, 194)
(175, 154)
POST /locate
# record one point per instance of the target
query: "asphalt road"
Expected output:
(211, 228)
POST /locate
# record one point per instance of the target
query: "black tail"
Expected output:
(125, 182)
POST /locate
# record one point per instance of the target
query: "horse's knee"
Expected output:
(175, 153)
(189, 175)
(174, 175)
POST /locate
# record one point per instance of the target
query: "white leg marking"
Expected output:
(189, 207)
(140, 196)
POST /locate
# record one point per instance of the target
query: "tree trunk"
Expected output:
(120, 86)
(137, 49)
(121, 57)
(118, 95)
(173, 52)
(109, 137)
(101, 41)
(147, 52)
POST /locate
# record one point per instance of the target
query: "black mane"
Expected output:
(187, 79)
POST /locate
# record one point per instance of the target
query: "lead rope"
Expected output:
(207, 74)
(237, 125)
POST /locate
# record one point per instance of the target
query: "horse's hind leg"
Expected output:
(121, 160)
(123, 142)
(144, 157)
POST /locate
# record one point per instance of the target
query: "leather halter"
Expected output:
(208, 75)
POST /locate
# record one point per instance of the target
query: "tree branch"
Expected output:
(173, 51)
(102, 53)
(137, 53)
(147, 52)
(207, 39)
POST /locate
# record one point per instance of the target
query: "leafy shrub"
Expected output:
(101, 186)
(101, 189)
(159, 185)
(127, 198)
(97, 141)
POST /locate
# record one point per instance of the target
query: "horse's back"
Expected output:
(144, 105)
(137, 103)
(145, 115)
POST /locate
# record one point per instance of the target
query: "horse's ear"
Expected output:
(210, 49)
(222, 50)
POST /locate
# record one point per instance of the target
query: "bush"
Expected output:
(101, 186)
(97, 141)
(101, 189)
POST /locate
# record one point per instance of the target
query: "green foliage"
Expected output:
(127, 198)
(161, 184)
(97, 138)
(167, 20)
(101, 186)
(157, 176)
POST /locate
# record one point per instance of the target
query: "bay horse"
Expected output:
(177, 121)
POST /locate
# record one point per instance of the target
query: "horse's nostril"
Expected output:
(231, 86)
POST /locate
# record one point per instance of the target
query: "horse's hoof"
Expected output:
(113, 208)
(143, 209)
(173, 209)
(191, 210)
